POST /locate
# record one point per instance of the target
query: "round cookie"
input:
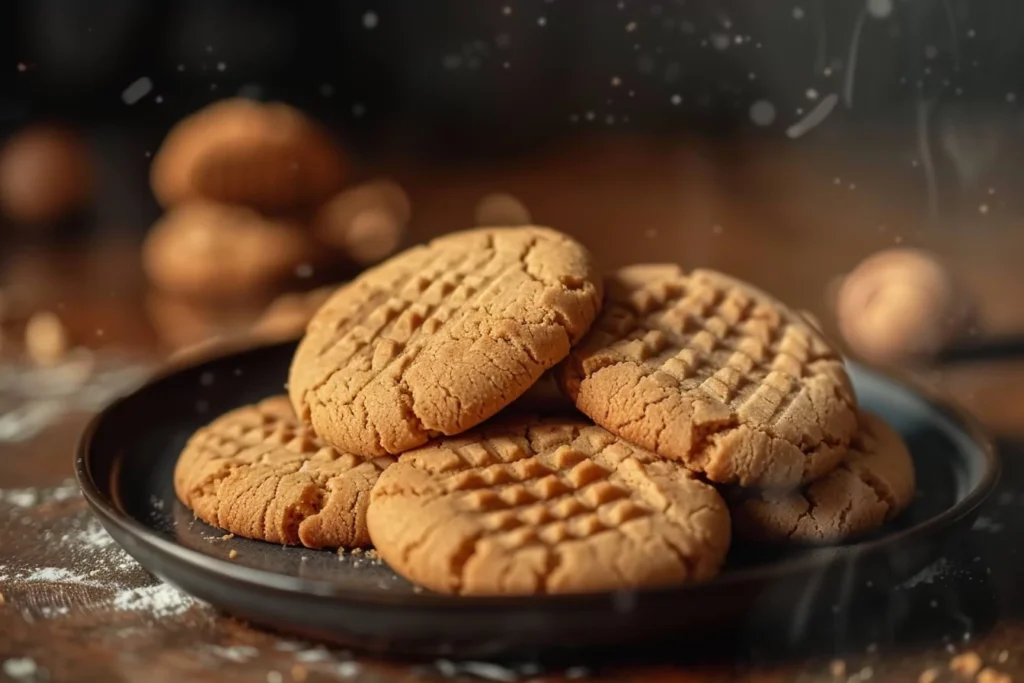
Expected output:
(215, 251)
(441, 337)
(45, 175)
(709, 371)
(259, 473)
(532, 506)
(873, 485)
(269, 156)
(286, 316)
(366, 222)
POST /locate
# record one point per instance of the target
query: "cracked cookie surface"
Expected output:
(530, 505)
(709, 371)
(260, 473)
(441, 337)
(872, 486)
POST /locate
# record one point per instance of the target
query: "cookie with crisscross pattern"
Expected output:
(872, 486)
(709, 371)
(260, 473)
(442, 337)
(530, 506)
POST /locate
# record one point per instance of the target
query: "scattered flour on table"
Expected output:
(84, 382)
(983, 523)
(161, 600)
(238, 653)
(348, 669)
(88, 559)
(933, 571)
(20, 668)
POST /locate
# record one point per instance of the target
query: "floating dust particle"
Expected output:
(990, 675)
(1003, 654)
(967, 664)
(838, 668)
(227, 537)
(928, 676)
(233, 554)
(299, 673)
(417, 589)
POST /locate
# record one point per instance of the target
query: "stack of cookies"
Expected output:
(700, 409)
(254, 197)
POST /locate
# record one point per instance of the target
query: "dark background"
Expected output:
(437, 69)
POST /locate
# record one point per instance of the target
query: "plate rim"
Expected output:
(261, 579)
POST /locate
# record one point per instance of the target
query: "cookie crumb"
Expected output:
(838, 668)
(928, 676)
(371, 553)
(46, 339)
(990, 675)
(967, 665)
(299, 673)
(2, 599)
(357, 551)
(227, 537)
(233, 554)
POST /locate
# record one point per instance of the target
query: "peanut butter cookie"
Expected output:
(873, 485)
(260, 473)
(709, 371)
(267, 156)
(216, 251)
(441, 337)
(545, 506)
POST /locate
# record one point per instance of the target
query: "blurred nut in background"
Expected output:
(216, 251)
(366, 222)
(46, 339)
(499, 208)
(268, 156)
(900, 304)
(287, 316)
(45, 175)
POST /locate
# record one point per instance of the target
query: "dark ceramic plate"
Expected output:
(126, 458)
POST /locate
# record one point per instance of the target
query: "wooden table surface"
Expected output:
(76, 607)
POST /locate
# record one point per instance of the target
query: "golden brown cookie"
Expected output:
(267, 156)
(215, 251)
(707, 370)
(500, 208)
(441, 337)
(366, 222)
(45, 174)
(900, 304)
(260, 473)
(873, 485)
(545, 506)
(287, 316)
